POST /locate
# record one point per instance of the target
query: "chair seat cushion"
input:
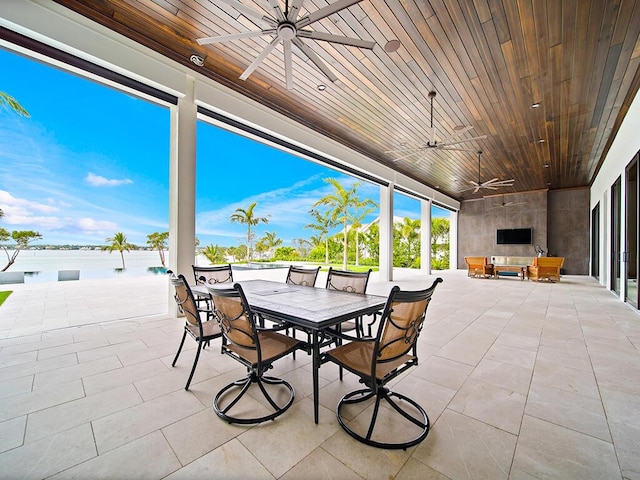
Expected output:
(210, 329)
(272, 344)
(356, 357)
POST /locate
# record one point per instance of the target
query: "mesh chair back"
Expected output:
(302, 276)
(233, 314)
(345, 281)
(184, 299)
(213, 275)
(402, 322)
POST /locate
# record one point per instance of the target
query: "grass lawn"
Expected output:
(4, 296)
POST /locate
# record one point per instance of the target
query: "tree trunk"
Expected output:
(10, 259)
(357, 249)
(161, 252)
(326, 250)
(344, 246)
(122, 257)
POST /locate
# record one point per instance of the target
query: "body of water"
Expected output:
(43, 265)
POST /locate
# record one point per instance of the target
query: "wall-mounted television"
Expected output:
(514, 236)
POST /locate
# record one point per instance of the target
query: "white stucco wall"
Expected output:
(622, 151)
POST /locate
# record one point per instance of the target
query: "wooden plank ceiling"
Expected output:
(488, 61)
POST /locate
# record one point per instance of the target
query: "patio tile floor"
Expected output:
(520, 379)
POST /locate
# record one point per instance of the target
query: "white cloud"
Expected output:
(89, 225)
(20, 207)
(99, 181)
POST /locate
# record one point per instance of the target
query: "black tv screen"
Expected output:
(514, 236)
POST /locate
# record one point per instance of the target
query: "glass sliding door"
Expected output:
(630, 255)
(615, 236)
(595, 241)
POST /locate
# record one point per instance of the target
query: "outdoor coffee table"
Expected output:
(518, 269)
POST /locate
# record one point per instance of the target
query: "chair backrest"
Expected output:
(475, 261)
(401, 323)
(548, 262)
(231, 309)
(346, 281)
(302, 276)
(185, 300)
(212, 275)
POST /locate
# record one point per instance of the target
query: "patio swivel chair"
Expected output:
(212, 275)
(201, 332)
(350, 282)
(305, 277)
(379, 360)
(254, 347)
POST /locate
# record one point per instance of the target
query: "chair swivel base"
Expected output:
(243, 384)
(384, 393)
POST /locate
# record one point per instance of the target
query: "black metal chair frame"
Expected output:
(334, 273)
(204, 275)
(192, 319)
(303, 271)
(376, 387)
(255, 371)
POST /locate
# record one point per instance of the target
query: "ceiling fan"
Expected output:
(286, 27)
(506, 204)
(492, 184)
(432, 143)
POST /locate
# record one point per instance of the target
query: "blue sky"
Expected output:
(91, 161)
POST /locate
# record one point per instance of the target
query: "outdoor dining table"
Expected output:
(310, 308)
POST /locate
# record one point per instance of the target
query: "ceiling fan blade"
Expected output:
(455, 149)
(502, 183)
(260, 58)
(406, 156)
(233, 36)
(294, 8)
(287, 64)
(311, 55)
(327, 37)
(488, 182)
(463, 130)
(481, 137)
(248, 11)
(325, 12)
(277, 11)
(405, 149)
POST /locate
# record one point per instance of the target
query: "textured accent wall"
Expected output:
(559, 219)
(569, 228)
(479, 219)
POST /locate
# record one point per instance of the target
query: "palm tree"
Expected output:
(410, 234)
(323, 224)
(158, 241)
(8, 101)
(119, 242)
(362, 208)
(248, 218)
(271, 241)
(214, 253)
(339, 203)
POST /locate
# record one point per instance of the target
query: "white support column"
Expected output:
(453, 241)
(182, 187)
(425, 236)
(386, 233)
